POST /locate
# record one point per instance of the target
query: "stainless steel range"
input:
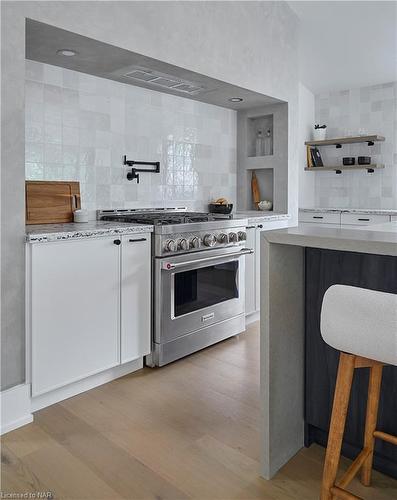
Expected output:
(198, 285)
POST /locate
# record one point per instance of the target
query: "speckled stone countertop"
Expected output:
(373, 211)
(41, 233)
(256, 215)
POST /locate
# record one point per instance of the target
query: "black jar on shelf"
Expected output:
(364, 160)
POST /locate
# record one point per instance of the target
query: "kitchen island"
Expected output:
(297, 368)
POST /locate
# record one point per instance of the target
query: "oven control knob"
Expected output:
(194, 242)
(170, 246)
(233, 237)
(222, 238)
(209, 240)
(242, 235)
(183, 244)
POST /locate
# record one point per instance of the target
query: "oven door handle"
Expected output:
(168, 266)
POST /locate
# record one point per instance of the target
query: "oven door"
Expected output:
(195, 291)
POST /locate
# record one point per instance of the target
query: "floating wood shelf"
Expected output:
(370, 139)
(339, 168)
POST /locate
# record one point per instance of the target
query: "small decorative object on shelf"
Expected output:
(259, 144)
(265, 205)
(316, 158)
(320, 132)
(349, 160)
(364, 160)
(267, 148)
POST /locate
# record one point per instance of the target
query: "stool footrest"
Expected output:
(386, 437)
(354, 468)
(343, 494)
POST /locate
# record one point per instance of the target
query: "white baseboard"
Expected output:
(15, 408)
(252, 318)
(68, 391)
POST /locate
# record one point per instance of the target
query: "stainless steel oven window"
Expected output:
(197, 288)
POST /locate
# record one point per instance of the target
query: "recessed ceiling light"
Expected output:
(235, 99)
(66, 52)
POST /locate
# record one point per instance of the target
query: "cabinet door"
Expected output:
(135, 296)
(250, 277)
(74, 310)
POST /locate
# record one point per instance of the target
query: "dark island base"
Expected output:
(324, 268)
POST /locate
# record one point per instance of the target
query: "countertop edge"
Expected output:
(370, 211)
(361, 241)
(76, 234)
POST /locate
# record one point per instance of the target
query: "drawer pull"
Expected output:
(260, 226)
(364, 220)
(137, 239)
(117, 242)
(317, 217)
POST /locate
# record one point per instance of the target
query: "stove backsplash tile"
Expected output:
(78, 127)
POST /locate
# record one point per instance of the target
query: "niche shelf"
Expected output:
(254, 124)
(265, 178)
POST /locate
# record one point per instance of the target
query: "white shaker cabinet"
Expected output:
(135, 296)
(89, 307)
(74, 300)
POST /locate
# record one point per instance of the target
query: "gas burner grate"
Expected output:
(160, 219)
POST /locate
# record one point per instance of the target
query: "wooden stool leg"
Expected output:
(338, 419)
(375, 380)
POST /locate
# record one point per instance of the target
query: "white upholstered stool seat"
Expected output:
(362, 324)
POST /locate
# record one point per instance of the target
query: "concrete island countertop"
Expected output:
(41, 233)
(377, 239)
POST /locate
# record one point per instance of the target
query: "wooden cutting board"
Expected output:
(50, 202)
(256, 196)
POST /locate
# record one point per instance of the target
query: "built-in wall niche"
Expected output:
(265, 179)
(260, 135)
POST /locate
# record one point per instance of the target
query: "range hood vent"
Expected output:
(162, 80)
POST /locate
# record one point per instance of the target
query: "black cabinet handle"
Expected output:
(250, 227)
(364, 220)
(117, 242)
(317, 217)
(260, 226)
(137, 239)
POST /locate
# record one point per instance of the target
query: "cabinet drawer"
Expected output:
(320, 217)
(363, 219)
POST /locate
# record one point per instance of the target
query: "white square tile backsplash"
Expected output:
(78, 127)
(367, 110)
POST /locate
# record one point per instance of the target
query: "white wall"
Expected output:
(78, 127)
(366, 110)
(306, 122)
(250, 44)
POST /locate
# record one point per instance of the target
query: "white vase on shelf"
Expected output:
(319, 134)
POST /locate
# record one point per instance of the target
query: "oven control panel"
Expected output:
(203, 240)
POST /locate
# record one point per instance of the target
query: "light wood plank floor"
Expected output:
(188, 430)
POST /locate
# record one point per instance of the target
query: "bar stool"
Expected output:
(362, 324)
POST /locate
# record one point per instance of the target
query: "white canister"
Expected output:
(319, 134)
(80, 216)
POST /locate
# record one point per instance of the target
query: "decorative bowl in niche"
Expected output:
(265, 205)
